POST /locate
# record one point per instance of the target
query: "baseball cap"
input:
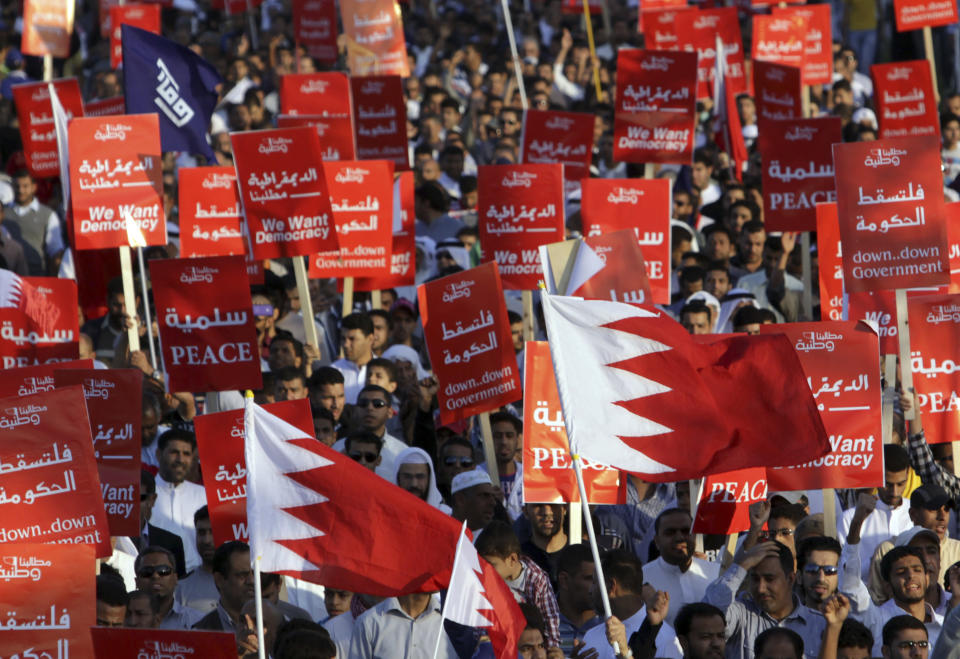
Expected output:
(930, 496)
(911, 534)
(468, 479)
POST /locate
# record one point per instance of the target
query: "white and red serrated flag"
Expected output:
(639, 394)
(19, 294)
(727, 130)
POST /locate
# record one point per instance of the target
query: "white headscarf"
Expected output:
(418, 456)
(400, 352)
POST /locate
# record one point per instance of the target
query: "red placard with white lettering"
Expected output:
(563, 137)
(47, 27)
(891, 210)
(315, 27)
(106, 107)
(468, 338)
(915, 14)
(335, 134)
(797, 170)
(120, 643)
(284, 192)
(206, 323)
(656, 109)
(840, 361)
(144, 16)
(31, 380)
(115, 181)
(48, 475)
(724, 505)
(114, 398)
(697, 32)
(361, 194)
(210, 213)
(548, 473)
(643, 205)
(818, 53)
(380, 119)
(935, 360)
(780, 39)
(659, 27)
(830, 260)
(879, 309)
(220, 439)
(953, 235)
(622, 275)
(324, 94)
(403, 252)
(777, 90)
(906, 105)
(23, 340)
(520, 208)
(36, 122)
(375, 43)
(47, 598)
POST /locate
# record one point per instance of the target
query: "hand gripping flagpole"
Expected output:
(257, 595)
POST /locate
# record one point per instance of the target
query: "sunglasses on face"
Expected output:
(813, 568)
(159, 570)
(786, 533)
(377, 403)
(365, 456)
(452, 460)
(909, 645)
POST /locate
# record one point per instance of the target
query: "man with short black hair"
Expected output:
(778, 643)
(327, 390)
(905, 637)
(199, 589)
(364, 447)
(696, 317)
(782, 524)
(507, 433)
(772, 286)
(290, 384)
(324, 426)
(141, 611)
(454, 457)
(701, 630)
(356, 338)
(547, 535)
(575, 570)
(156, 574)
(35, 226)
(177, 498)
(150, 534)
(382, 327)
(112, 601)
(234, 579)
(373, 411)
(818, 561)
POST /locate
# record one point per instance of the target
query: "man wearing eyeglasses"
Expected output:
(364, 447)
(818, 560)
(455, 457)
(373, 410)
(155, 572)
(783, 524)
(905, 637)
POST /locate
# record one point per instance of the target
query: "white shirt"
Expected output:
(882, 524)
(341, 631)
(174, 511)
(667, 644)
(392, 447)
(387, 632)
(683, 587)
(877, 616)
(354, 378)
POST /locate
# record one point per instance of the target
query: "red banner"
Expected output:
(879, 310)
(284, 192)
(469, 385)
(335, 134)
(145, 17)
(935, 360)
(642, 205)
(622, 274)
(777, 91)
(119, 643)
(220, 439)
(106, 107)
(362, 194)
(548, 472)
(374, 32)
(47, 27)
(780, 39)
(656, 111)
(49, 597)
(380, 118)
(115, 181)
(818, 53)
(48, 475)
(891, 213)
(915, 14)
(315, 26)
(840, 361)
(324, 94)
(114, 398)
(953, 235)
(36, 122)
(403, 253)
(797, 170)
(206, 323)
(724, 505)
(659, 27)
(31, 380)
(23, 341)
(563, 137)
(210, 212)
(830, 260)
(906, 105)
(697, 31)
(520, 208)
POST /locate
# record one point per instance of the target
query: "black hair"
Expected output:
(816, 543)
(363, 437)
(148, 482)
(855, 634)
(895, 458)
(202, 513)
(896, 554)
(386, 364)
(176, 434)
(325, 375)
(290, 373)
(221, 557)
(668, 511)
(779, 632)
(684, 620)
(498, 539)
(357, 321)
(625, 567)
(506, 417)
(897, 624)
(111, 591)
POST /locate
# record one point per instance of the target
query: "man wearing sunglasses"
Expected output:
(818, 560)
(455, 457)
(372, 411)
(905, 637)
(156, 574)
(364, 447)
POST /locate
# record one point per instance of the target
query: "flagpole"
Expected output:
(443, 611)
(250, 436)
(517, 69)
(146, 308)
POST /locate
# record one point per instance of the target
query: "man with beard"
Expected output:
(701, 630)
(373, 411)
(818, 560)
(234, 578)
(547, 536)
(677, 571)
(415, 475)
(575, 570)
(198, 590)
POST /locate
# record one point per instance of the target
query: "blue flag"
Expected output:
(180, 86)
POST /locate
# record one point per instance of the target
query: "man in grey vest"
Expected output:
(35, 226)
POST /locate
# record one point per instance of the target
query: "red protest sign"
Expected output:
(724, 504)
(953, 234)
(915, 14)
(608, 205)
(210, 212)
(47, 27)
(115, 181)
(797, 170)
(106, 107)
(777, 90)
(891, 213)
(207, 330)
(50, 611)
(48, 475)
(548, 472)
(375, 43)
(656, 110)
(840, 361)
(325, 94)
(120, 643)
(563, 137)
(879, 310)
(31, 380)
(146, 17)
(335, 134)
(622, 275)
(818, 39)
(220, 439)
(906, 104)
(780, 39)
(659, 27)
(403, 251)
(315, 27)
(37, 130)
(284, 192)
(520, 208)
(362, 201)
(697, 31)
(935, 354)
(114, 398)
(39, 322)
(470, 384)
(830, 260)
(380, 118)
